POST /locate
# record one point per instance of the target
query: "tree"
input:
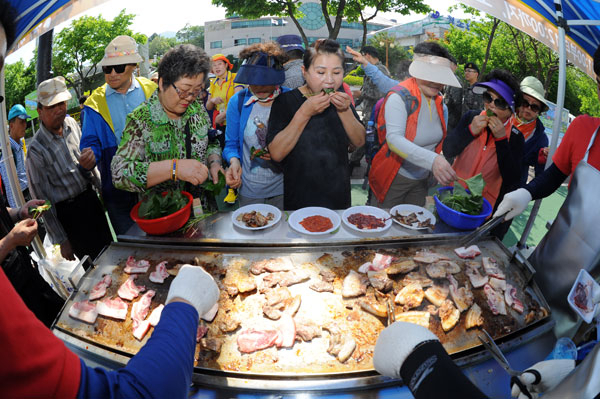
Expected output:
(79, 48)
(395, 53)
(19, 81)
(159, 45)
(192, 34)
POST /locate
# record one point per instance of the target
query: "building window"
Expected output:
(239, 42)
(258, 23)
(253, 40)
(218, 44)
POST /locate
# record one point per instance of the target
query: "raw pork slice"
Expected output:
(85, 311)
(510, 296)
(160, 273)
(131, 266)
(381, 261)
(140, 331)
(99, 289)
(468, 253)
(155, 315)
(140, 309)
(115, 308)
(495, 300)
(128, 290)
(253, 340)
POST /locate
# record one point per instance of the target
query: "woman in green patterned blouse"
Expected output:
(153, 153)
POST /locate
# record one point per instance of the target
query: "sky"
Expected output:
(153, 17)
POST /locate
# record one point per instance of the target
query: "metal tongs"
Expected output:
(490, 345)
(482, 230)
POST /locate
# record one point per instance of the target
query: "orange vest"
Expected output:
(386, 163)
(480, 157)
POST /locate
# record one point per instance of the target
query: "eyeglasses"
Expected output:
(533, 107)
(183, 94)
(118, 68)
(470, 70)
(498, 102)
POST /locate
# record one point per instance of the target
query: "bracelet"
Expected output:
(174, 172)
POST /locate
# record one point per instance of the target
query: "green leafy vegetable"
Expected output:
(489, 113)
(36, 211)
(328, 90)
(257, 152)
(462, 201)
(214, 189)
(155, 205)
(191, 225)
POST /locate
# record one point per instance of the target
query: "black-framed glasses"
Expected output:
(470, 70)
(533, 107)
(118, 68)
(183, 94)
(498, 102)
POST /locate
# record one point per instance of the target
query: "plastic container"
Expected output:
(165, 224)
(563, 349)
(457, 219)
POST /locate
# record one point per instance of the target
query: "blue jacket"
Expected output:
(538, 140)
(236, 123)
(97, 133)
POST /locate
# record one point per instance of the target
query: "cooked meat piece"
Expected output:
(229, 324)
(436, 270)
(175, 269)
(372, 306)
(432, 309)
(232, 290)
(212, 344)
(436, 294)
(321, 286)
(354, 285)
(411, 295)
(451, 267)
(284, 279)
(381, 261)
(495, 300)
(282, 264)
(340, 345)
(472, 271)
(416, 317)
(401, 266)
(510, 296)
(492, 269)
(287, 332)
(498, 284)
(306, 329)
(468, 253)
(380, 281)
(463, 297)
(277, 295)
(416, 277)
(273, 312)
(327, 276)
(429, 257)
(449, 315)
(292, 305)
(251, 340)
(473, 317)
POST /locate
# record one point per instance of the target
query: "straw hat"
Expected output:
(121, 50)
(53, 91)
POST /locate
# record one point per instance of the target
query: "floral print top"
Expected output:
(150, 136)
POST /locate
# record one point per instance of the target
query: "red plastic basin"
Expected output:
(165, 224)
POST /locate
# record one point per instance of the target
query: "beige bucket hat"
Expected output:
(434, 69)
(530, 85)
(53, 91)
(121, 50)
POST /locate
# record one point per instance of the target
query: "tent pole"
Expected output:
(560, 102)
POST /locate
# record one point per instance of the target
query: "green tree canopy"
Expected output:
(19, 81)
(79, 48)
(158, 45)
(192, 34)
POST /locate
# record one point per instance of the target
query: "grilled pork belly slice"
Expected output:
(341, 345)
(498, 284)
(436, 294)
(473, 317)
(429, 257)
(416, 277)
(128, 290)
(131, 266)
(411, 295)
(401, 266)
(372, 306)
(287, 332)
(212, 344)
(252, 340)
(472, 271)
(115, 308)
(416, 317)
(463, 297)
(321, 286)
(327, 276)
(284, 279)
(380, 281)
(469, 252)
(228, 325)
(306, 329)
(510, 296)
(449, 315)
(160, 273)
(99, 290)
(495, 300)
(436, 270)
(85, 311)
(490, 265)
(354, 285)
(282, 264)
(451, 267)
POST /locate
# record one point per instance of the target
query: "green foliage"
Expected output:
(20, 81)
(462, 201)
(80, 47)
(192, 34)
(155, 205)
(395, 52)
(36, 211)
(358, 71)
(212, 188)
(158, 45)
(354, 80)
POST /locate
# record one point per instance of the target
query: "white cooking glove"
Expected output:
(551, 372)
(196, 286)
(395, 343)
(513, 204)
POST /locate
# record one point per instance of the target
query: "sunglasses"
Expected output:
(498, 102)
(183, 94)
(118, 68)
(533, 107)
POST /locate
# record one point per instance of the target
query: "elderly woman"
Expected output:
(487, 142)
(248, 113)
(309, 131)
(165, 141)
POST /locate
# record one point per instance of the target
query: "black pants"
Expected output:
(84, 222)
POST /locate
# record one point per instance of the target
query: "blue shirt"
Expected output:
(120, 105)
(17, 151)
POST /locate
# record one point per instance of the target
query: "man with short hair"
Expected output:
(292, 45)
(460, 100)
(17, 125)
(105, 112)
(59, 171)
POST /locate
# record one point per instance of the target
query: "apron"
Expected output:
(571, 244)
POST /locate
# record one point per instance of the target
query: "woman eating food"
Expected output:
(165, 141)
(309, 131)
